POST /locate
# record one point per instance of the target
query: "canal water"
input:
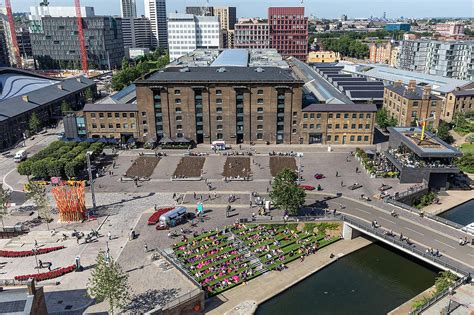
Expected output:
(462, 214)
(373, 280)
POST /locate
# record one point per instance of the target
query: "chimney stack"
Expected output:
(426, 92)
(25, 98)
(398, 83)
(411, 85)
(31, 287)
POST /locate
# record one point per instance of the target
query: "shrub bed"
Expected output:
(25, 253)
(47, 275)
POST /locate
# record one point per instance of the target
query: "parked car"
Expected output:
(20, 156)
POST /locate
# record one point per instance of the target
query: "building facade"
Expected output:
(188, 32)
(323, 56)
(409, 104)
(381, 53)
(227, 17)
(112, 121)
(128, 9)
(289, 31)
(56, 48)
(155, 11)
(200, 11)
(457, 101)
(233, 104)
(252, 34)
(450, 29)
(397, 27)
(338, 124)
(137, 33)
(452, 59)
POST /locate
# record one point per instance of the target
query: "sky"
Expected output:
(318, 8)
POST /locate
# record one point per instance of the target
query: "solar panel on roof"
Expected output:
(366, 94)
(362, 88)
(337, 79)
(359, 83)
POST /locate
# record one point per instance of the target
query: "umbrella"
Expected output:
(182, 140)
(130, 141)
(166, 140)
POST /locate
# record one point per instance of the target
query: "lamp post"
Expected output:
(35, 251)
(299, 155)
(91, 180)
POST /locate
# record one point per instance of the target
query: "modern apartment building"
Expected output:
(397, 27)
(155, 10)
(22, 36)
(38, 12)
(457, 101)
(381, 52)
(57, 46)
(252, 34)
(452, 59)
(113, 121)
(236, 103)
(227, 17)
(128, 8)
(289, 31)
(411, 103)
(450, 29)
(137, 33)
(338, 124)
(187, 32)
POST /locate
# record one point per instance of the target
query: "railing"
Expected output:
(427, 215)
(178, 266)
(411, 191)
(420, 252)
(440, 295)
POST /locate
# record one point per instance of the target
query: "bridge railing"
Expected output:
(428, 215)
(440, 295)
(442, 261)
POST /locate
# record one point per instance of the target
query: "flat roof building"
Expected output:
(251, 34)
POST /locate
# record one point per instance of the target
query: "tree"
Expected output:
(285, 192)
(109, 282)
(125, 63)
(4, 199)
(34, 123)
(65, 107)
(89, 95)
(40, 199)
(444, 280)
(443, 133)
(383, 120)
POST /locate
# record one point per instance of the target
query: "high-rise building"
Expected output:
(289, 31)
(57, 46)
(4, 59)
(381, 52)
(203, 11)
(227, 17)
(252, 34)
(452, 59)
(137, 33)
(201, 32)
(128, 8)
(22, 36)
(155, 10)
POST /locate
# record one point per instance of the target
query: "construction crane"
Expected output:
(80, 31)
(11, 22)
(423, 126)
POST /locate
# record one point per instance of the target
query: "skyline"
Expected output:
(317, 8)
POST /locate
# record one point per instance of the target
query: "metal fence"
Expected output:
(411, 191)
(442, 261)
(434, 299)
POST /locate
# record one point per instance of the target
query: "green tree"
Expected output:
(24, 168)
(38, 194)
(4, 199)
(383, 120)
(443, 132)
(89, 95)
(444, 280)
(65, 107)
(34, 124)
(125, 63)
(109, 282)
(285, 192)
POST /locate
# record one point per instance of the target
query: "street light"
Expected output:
(299, 155)
(91, 180)
(35, 251)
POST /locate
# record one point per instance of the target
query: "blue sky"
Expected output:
(319, 8)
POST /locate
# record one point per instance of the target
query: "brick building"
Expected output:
(338, 123)
(381, 52)
(289, 31)
(323, 56)
(410, 103)
(457, 101)
(252, 34)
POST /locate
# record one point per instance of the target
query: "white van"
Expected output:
(20, 156)
(218, 145)
(173, 217)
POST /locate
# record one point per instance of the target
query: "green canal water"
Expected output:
(373, 280)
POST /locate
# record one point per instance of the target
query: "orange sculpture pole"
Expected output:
(70, 201)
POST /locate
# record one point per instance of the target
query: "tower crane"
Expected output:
(11, 22)
(80, 31)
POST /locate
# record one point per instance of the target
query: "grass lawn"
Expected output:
(467, 148)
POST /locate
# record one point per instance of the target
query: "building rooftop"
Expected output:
(16, 82)
(416, 94)
(386, 73)
(223, 74)
(232, 58)
(110, 108)
(340, 108)
(464, 92)
(430, 147)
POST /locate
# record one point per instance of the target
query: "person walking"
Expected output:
(109, 235)
(342, 183)
(146, 248)
(337, 174)
(194, 195)
(357, 170)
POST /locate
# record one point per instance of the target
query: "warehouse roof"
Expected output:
(222, 74)
(464, 93)
(340, 108)
(416, 94)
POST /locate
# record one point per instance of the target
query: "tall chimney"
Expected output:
(426, 92)
(411, 85)
(398, 83)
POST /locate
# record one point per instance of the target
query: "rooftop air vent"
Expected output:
(221, 70)
(259, 70)
(186, 69)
